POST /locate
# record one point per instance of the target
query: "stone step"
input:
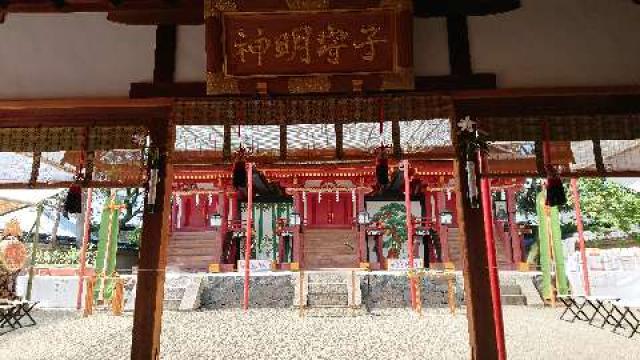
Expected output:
(329, 311)
(188, 251)
(323, 287)
(514, 300)
(328, 299)
(510, 290)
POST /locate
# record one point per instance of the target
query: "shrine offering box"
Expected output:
(308, 46)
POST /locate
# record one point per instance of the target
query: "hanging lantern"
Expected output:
(472, 184)
(179, 214)
(154, 171)
(240, 170)
(73, 201)
(555, 190)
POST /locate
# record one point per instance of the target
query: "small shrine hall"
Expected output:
(315, 206)
(320, 134)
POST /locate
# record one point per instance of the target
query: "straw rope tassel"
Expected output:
(117, 303)
(88, 299)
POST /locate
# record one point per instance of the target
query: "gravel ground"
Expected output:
(280, 334)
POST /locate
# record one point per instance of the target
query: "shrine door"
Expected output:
(330, 211)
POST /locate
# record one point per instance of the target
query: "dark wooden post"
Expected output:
(516, 240)
(481, 323)
(147, 319)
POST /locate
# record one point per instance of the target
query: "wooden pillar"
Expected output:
(494, 279)
(481, 323)
(165, 54)
(248, 240)
(147, 318)
(516, 240)
(583, 254)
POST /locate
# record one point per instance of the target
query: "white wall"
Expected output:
(560, 43)
(545, 43)
(191, 61)
(65, 55)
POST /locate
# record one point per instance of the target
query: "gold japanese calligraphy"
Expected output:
(370, 31)
(295, 45)
(298, 41)
(302, 46)
(258, 46)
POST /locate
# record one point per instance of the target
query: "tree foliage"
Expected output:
(608, 205)
(393, 217)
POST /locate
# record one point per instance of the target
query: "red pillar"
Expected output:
(407, 203)
(516, 240)
(249, 233)
(494, 280)
(583, 255)
(443, 230)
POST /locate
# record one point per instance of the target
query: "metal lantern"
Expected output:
(215, 220)
(421, 232)
(446, 217)
(294, 219)
(363, 218)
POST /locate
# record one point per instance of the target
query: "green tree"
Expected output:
(393, 217)
(608, 205)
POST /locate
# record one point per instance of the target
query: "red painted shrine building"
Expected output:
(311, 90)
(328, 194)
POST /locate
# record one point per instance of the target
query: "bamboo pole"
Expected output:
(107, 252)
(247, 246)
(583, 255)
(34, 250)
(86, 233)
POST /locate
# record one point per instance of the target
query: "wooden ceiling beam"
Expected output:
(82, 112)
(548, 101)
(44, 6)
(180, 16)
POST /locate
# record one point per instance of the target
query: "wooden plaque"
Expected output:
(308, 46)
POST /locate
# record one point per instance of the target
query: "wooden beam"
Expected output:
(226, 143)
(283, 142)
(182, 16)
(481, 323)
(147, 318)
(79, 112)
(144, 90)
(548, 101)
(396, 140)
(456, 82)
(436, 8)
(48, 6)
(458, 38)
(339, 129)
(165, 54)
